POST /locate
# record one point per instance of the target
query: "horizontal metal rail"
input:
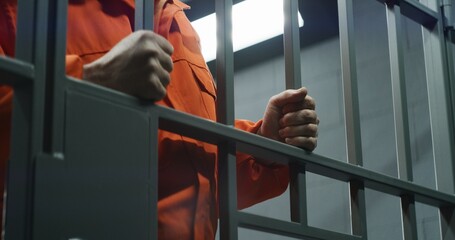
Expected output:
(416, 11)
(14, 72)
(211, 132)
(291, 229)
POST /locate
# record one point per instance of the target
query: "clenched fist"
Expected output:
(291, 118)
(138, 65)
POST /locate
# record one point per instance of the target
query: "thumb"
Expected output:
(289, 96)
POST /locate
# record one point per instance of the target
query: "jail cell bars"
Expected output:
(46, 184)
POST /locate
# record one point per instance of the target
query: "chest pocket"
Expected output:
(90, 39)
(190, 50)
(191, 79)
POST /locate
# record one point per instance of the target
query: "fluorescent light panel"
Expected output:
(254, 21)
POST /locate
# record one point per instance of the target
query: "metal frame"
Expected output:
(400, 108)
(37, 75)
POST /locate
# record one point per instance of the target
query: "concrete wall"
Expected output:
(321, 73)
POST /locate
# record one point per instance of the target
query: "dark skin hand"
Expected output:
(138, 65)
(290, 117)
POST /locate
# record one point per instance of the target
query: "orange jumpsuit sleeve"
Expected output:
(256, 182)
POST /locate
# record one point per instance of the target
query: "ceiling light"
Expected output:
(254, 21)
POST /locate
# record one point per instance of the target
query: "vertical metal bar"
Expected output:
(349, 76)
(138, 15)
(28, 118)
(227, 184)
(298, 199)
(57, 80)
(352, 115)
(442, 129)
(25, 34)
(358, 209)
(143, 15)
(224, 62)
(449, 43)
(143, 20)
(291, 44)
(52, 63)
(447, 223)
(227, 181)
(293, 81)
(409, 217)
(153, 175)
(399, 92)
(441, 118)
(401, 117)
(446, 8)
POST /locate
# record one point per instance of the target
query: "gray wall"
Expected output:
(321, 73)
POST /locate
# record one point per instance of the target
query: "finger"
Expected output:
(300, 117)
(163, 43)
(166, 61)
(307, 103)
(157, 69)
(289, 96)
(307, 130)
(156, 90)
(307, 143)
(155, 46)
(149, 87)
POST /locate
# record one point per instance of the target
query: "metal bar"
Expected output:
(224, 62)
(227, 181)
(419, 12)
(447, 223)
(349, 76)
(144, 15)
(293, 81)
(50, 179)
(442, 129)
(400, 108)
(153, 176)
(408, 211)
(15, 72)
(352, 113)
(265, 148)
(416, 11)
(144, 19)
(291, 45)
(449, 47)
(28, 118)
(358, 209)
(53, 71)
(25, 34)
(57, 80)
(227, 190)
(138, 15)
(399, 93)
(441, 118)
(446, 8)
(289, 229)
(298, 199)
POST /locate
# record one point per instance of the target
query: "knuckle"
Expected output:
(152, 65)
(311, 101)
(165, 79)
(306, 114)
(142, 35)
(310, 144)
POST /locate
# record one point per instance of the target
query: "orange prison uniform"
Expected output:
(187, 207)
